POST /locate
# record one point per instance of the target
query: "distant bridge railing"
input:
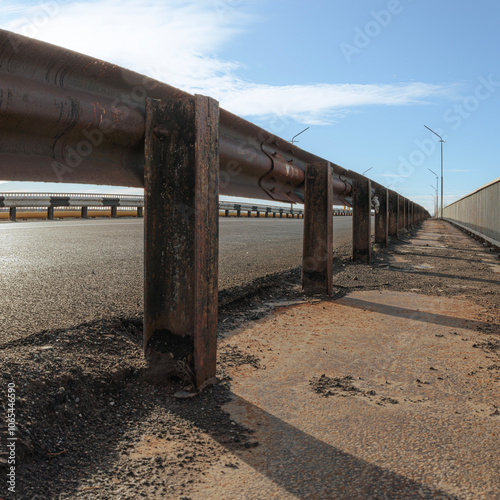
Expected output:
(43, 205)
(478, 213)
(74, 202)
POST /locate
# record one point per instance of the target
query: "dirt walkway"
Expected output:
(390, 389)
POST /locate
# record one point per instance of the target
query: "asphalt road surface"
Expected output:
(61, 273)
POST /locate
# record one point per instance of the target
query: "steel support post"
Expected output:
(274, 215)
(238, 210)
(401, 214)
(181, 193)
(382, 217)
(12, 213)
(317, 256)
(140, 212)
(114, 212)
(266, 213)
(361, 220)
(407, 206)
(393, 214)
(50, 213)
(84, 213)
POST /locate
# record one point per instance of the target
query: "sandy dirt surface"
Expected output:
(388, 389)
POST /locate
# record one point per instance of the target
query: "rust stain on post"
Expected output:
(361, 221)
(401, 214)
(382, 217)
(317, 258)
(393, 214)
(181, 236)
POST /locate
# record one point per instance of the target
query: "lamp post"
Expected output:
(301, 132)
(437, 190)
(441, 141)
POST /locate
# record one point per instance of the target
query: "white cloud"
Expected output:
(176, 41)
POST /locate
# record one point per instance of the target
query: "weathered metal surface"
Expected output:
(181, 236)
(361, 221)
(393, 213)
(382, 217)
(67, 117)
(401, 214)
(317, 270)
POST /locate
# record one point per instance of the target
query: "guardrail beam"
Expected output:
(317, 257)
(181, 236)
(361, 221)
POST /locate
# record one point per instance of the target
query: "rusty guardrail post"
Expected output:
(238, 210)
(50, 213)
(393, 214)
(317, 256)
(361, 220)
(12, 214)
(181, 236)
(401, 214)
(84, 213)
(140, 211)
(382, 217)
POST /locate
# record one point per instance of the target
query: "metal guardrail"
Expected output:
(478, 212)
(83, 202)
(66, 117)
(50, 201)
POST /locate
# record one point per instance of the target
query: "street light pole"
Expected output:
(441, 141)
(437, 192)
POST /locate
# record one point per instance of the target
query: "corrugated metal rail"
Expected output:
(478, 213)
(66, 117)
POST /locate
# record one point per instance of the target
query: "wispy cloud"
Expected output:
(177, 41)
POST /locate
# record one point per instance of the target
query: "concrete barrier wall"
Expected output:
(479, 211)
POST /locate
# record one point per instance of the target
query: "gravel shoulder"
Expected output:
(93, 423)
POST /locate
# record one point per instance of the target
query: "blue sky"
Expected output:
(365, 76)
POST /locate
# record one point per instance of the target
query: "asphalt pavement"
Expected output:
(61, 273)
